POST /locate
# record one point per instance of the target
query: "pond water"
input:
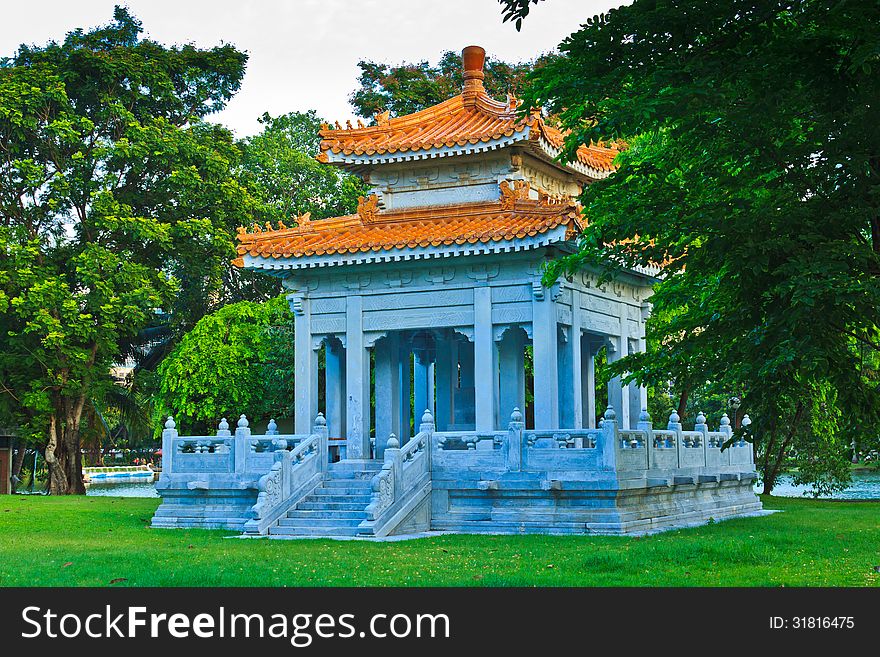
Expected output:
(123, 489)
(864, 486)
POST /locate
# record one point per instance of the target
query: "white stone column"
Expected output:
(575, 355)
(619, 394)
(334, 389)
(357, 381)
(421, 386)
(512, 371)
(485, 374)
(387, 390)
(634, 392)
(446, 377)
(404, 372)
(546, 354)
(588, 392)
(305, 365)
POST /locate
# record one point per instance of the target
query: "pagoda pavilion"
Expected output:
(425, 306)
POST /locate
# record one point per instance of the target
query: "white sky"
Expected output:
(304, 53)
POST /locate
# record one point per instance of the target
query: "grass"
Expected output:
(99, 541)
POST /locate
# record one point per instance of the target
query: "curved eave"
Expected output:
(280, 266)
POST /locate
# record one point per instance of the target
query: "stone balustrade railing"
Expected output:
(405, 471)
(606, 448)
(241, 455)
(293, 474)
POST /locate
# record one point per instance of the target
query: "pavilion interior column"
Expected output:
(545, 342)
(446, 379)
(387, 390)
(357, 381)
(588, 390)
(422, 388)
(334, 394)
(575, 355)
(566, 375)
(404, 375)
(305, 366)
(485, 372)
(635, 393)
(512, 373)
(618, 394)
(463, 409)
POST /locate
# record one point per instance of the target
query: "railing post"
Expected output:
(644, 424)
(727, 430)
(609, 438)
(320, 430)
(675, 425)
(242, 435)
(392, 460)
(169, 434)
(703, 428)
(513, 445)
(427, 427)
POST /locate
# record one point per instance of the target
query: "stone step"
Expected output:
(316, 515)
(330, 506)
(345, 490)
(319, 522)
(281, 530)
(331, 496)
(347, 483)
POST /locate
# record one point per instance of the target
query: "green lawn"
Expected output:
(97, 541)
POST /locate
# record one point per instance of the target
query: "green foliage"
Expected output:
(281, 171)
(116, 200)
(237, 359)
(752, 176)
(408, 88)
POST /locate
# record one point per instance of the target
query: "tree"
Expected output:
(239, 357)
(115, 201)
(752, 176)
(408, 88)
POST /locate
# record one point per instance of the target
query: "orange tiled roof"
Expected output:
(453, 122)
(471, 117)
(371, 230)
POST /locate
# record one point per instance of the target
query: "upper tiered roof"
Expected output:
(469, 122)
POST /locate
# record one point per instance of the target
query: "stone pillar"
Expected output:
(387, 390)
(575, 354)
(485, 374)
(545, 345)
(512, 371)
(334, 393)
(566, 377)
(588, 391)
(421, 387)
(446, 380)
(357, 381)
(634, 392)
(616, 390)
(305, 365)
(404, 372)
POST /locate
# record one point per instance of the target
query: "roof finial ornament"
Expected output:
(368, 207)
(382, 118)
(473, 58)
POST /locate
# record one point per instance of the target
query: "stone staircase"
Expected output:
(336, 507)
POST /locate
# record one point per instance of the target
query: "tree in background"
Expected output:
(115, 200)
(239, 357)
(753, 176)
(408, 88)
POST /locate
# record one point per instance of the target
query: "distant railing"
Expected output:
(243, 455)
(606, 448)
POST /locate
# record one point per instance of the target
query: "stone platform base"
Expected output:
(183, 508)
(597, 508)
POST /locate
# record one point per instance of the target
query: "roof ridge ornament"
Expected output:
(510, 195)
(368, 208)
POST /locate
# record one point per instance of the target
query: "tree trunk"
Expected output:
(63, 451)
(682, 402)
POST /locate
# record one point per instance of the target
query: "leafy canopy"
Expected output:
(752, 176)
(116, 201)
